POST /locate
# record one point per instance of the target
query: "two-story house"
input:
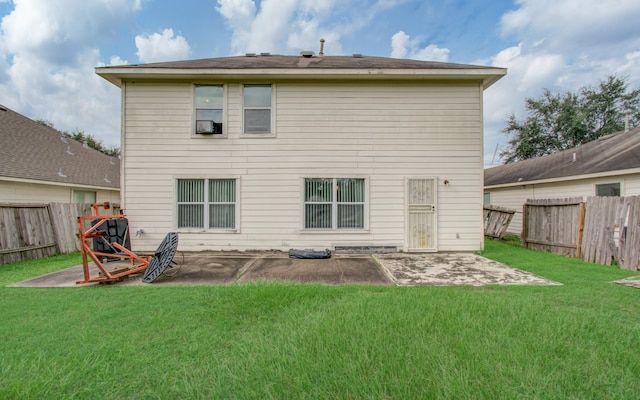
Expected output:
(278, 152)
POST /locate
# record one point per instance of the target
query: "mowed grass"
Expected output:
(282, 340)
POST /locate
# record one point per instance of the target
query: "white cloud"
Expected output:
(239, 15)
(271, 25)
(532, 69)
(399, 44)
(402, 46)
(237, 12)
(51, 30)
(72, 97)
(49, 51)
(161, 47)
(307, 35)
(116, 60)
(288, 26)
(584, 23)
(563, 45)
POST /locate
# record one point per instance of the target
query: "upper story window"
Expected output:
(608, 189)
(209, 100)
(487, 198)
(256, 102)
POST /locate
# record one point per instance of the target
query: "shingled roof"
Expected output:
(296, 62)
(30, 150)
(312, 67)
(614, 152)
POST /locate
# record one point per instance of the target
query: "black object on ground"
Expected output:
(295, 253)
(162, 259)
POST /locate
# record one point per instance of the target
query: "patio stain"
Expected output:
(450, 269)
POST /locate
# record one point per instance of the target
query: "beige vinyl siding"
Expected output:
(380, 132)
(514, 197)
(24, 192)
(630, 186)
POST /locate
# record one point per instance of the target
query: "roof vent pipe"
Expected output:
(575, 158)
(321, 54)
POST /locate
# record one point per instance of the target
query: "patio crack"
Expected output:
(247, 267)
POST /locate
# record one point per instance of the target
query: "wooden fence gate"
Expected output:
(496, 221)
(552, 225)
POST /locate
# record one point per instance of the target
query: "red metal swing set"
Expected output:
(137, 263)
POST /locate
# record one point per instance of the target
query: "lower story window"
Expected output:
(80, 196)
(608, 189)
(487, 198)
(207, 203)
(334, 203)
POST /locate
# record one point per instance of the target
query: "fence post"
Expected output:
(56, 229)
(525, 225)
(580, 231)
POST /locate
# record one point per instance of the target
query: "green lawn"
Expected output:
(294, 341)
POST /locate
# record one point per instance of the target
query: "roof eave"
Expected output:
(56, 183)
(487, 76)
(566, 178)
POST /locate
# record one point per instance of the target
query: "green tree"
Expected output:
(87, 138)
(557, 122)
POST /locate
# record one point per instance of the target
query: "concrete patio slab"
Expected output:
(202, 268)
(337, 270)
(224, 268)
(449, 269)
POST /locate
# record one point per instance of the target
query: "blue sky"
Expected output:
(49, 49)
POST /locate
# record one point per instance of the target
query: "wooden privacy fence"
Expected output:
(612, 231)
(496, 221)
(29, 231)
(602, 230)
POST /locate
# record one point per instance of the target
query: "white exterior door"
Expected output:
(421, 216)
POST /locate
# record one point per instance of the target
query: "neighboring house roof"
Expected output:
(30, 150)
(614, 152)
(317, 67)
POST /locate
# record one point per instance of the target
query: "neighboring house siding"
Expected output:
(631, 185)
(22, 192)
(381, 132)
(514, 197)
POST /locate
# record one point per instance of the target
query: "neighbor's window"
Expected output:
(334, 203)
(209, 109)
(207, 203)
(256, 100)
(608, 189)
(81, 196)
(487, 198)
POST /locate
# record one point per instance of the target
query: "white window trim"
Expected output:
(206, 230)
(273, 112)
(225, 108)
(334, 231)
